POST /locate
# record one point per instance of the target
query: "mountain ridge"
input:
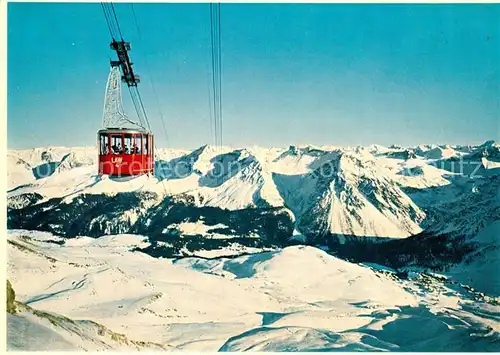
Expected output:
(268, 197)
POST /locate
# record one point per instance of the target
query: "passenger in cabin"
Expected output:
(128, 148)
(136, 150)
(117, 149)
(106, 149)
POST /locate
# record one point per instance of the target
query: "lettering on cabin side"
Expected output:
(117, 161)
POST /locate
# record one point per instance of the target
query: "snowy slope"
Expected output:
(480, 269)
(34, 330)
(19, 172)
(297, 298)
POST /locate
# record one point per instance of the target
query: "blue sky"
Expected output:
(339, 74)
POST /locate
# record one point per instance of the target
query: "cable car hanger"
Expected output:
(121, 47)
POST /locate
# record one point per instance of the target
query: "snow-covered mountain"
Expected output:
(341, 192)
(347, 194)
(344, 192)
(257, 249)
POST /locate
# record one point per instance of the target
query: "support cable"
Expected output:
(214, 73)
(210, 112)
(107, 20)
(220, 75)
(136, 106)
(111, 21)
(216, 52)
(151, 79)
(116, 19)
(143, 109)
(138, 103)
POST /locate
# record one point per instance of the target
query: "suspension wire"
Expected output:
(107, 20)
(136, 106)
(143, 109)
(214, 89)
(215, 32)
(154, 92)
(151, 79)
(111, 21)
(116, 19)
(156, 150)
(210, 112)
(215, 36)
(220, 76)
(135, 93)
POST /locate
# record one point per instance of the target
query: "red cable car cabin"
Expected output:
(125, 152)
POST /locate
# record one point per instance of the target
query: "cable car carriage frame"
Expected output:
(125, 152)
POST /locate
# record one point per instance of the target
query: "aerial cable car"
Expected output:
(126, 147)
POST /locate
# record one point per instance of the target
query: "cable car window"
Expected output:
(138, 144)
(128, 144)
(145, 145)
(104, 143)
(101, 144)
(116, 144)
